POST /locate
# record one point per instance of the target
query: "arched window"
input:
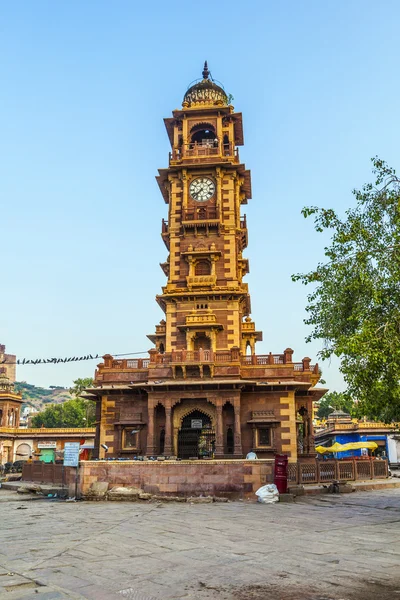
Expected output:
(203, 267)
(203, 133)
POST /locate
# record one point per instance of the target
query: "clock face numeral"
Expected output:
(202, 189)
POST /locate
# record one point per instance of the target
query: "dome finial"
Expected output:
(206, 72)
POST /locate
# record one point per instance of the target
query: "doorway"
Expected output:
(196, 437)
(202, 341)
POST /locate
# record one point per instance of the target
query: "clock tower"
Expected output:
(205, 298)
(204, 392)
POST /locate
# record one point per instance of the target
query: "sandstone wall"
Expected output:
(232, 479)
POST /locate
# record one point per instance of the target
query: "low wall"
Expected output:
(41, 472)
(232, 478)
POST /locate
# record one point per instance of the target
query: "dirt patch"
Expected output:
(368, 590)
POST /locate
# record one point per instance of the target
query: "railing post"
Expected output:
(306, 363)
(270, 359)
(235, 353)
(107, 361)
(287, 355)
(318, 471)
(336, 469)
(153, 355)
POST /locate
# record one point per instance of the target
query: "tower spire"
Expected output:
(206, 72)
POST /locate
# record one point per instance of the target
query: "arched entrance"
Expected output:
(23, 452)
(196, 437)
(201, 340)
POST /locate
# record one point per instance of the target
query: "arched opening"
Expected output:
(203, 134)
(228, 418)
(23, 452)
(202, 267)
(248, 349)
(196, 437)
(202, 341)
(161, 348)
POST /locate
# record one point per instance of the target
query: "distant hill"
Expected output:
(38, 397)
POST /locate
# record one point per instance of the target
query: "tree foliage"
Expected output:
(78, 412)
(335, 401)
(80, 385)
(355, 303)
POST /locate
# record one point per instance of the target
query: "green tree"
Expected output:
(354, 306)
(335, 401)
(77, 412)
(80, 385)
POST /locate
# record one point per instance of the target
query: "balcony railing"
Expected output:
(321, 471)
(208, 356)
(204, 213)
(131, 363)
(205, 149)
(201, 281)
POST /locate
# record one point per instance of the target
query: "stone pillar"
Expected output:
(238, 451)
(219, 445)
(150, 448)
(168, 431)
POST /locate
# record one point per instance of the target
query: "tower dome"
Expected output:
(205, 92)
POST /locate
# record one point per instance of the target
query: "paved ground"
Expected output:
(321, 548)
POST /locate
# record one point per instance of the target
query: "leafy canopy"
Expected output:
(335, 401)
(355, 303)
(77, 412)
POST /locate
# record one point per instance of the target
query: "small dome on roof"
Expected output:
(339, 415)
(205, 92)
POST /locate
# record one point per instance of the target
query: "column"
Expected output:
(150, 449)
(238, 451)
(219, 442)
(168, 431)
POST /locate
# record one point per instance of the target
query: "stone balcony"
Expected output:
(201, 281)
(207, 151)
(207, 364)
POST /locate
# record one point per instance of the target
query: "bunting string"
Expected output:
(55, 361)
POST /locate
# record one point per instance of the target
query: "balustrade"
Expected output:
(220, 356)
(325, 471)
(131, 363)
(205, 149)
(204, 213)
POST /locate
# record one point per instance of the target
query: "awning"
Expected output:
(343, 447)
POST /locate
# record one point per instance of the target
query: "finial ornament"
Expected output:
(206, 72)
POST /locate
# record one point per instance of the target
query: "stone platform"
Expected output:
(233, 479)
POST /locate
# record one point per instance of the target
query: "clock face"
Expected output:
(202, 189)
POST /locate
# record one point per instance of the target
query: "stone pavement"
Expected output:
(320, 548)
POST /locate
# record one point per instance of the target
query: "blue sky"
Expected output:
(85, 88)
